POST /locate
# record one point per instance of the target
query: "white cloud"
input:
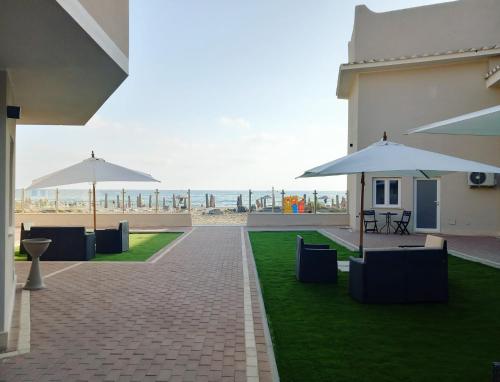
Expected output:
(254, 159)
(234, 122)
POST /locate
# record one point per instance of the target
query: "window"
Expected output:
(387, 192)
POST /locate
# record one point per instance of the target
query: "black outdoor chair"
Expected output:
(315, 263)
(370, 219)
(402, 225)
(112, 240)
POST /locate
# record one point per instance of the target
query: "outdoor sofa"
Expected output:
(113, 240)
(68, 243)
(407, 274)
(315, 263)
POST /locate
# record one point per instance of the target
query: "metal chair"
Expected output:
(402, 225)
(370, 219)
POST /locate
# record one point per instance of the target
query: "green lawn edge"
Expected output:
(320, 334)
(141, 247)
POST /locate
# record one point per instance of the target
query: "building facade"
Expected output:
(416, 66)
(59, 62)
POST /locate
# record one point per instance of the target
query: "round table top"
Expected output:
(387, 213)
(37, 240)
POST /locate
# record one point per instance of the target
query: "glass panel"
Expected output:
(379, 192)
(393, 192)
(426, 204)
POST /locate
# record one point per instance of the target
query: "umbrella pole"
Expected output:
(93, 194)
(362, 215)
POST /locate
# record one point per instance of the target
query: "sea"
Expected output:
(223, 198)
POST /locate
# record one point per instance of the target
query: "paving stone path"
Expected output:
(180, 319)
(481, 248)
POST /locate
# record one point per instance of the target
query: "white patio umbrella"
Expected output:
(398, 160)
(484, 122)
(91, 170)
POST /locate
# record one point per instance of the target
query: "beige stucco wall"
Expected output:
(395, 101)
(113, 17)
(277, 220)
(353, 193)
(106, 220)
(427, 29)
(7, 181)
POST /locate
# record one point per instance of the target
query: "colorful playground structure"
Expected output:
(294, 204)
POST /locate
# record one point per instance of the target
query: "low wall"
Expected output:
(270, 219)
(106, 220)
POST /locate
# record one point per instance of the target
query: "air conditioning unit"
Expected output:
(481, 179)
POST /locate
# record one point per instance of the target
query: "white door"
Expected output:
(427, 209)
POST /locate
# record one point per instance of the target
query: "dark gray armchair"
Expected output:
(114, 240)
(315, 263)
(68, 243)
(400, 275)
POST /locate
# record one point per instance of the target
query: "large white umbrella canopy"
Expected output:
(91, 170)
(484, 122)
(397, 160)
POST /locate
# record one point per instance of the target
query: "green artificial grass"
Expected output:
(320, 334)
(141, 247)
(18, 256)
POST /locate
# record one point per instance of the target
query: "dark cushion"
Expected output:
(427, 275)
(385, 270)
(68, 243)
(315, 263)
(113, 240)
(400, 275)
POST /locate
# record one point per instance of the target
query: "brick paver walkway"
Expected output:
(180, 319)
(482, 247)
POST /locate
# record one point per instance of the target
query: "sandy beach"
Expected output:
(201, 216)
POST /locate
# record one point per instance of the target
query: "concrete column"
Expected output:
(7, 200)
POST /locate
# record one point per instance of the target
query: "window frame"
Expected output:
(386, 203)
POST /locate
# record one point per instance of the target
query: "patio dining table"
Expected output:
(388, 222)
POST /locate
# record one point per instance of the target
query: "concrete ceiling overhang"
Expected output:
(62, 66)
(485, 122)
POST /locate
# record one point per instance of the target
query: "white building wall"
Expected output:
(7, 222)
(427, 29)
(396, 101)
(352, 146)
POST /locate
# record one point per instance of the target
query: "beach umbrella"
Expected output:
(91, 170)
(398, 160)
(324, 197)
(484, 122)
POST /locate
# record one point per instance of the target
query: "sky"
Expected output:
(221, 95)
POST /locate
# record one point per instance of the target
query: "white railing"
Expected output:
(181, 201)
